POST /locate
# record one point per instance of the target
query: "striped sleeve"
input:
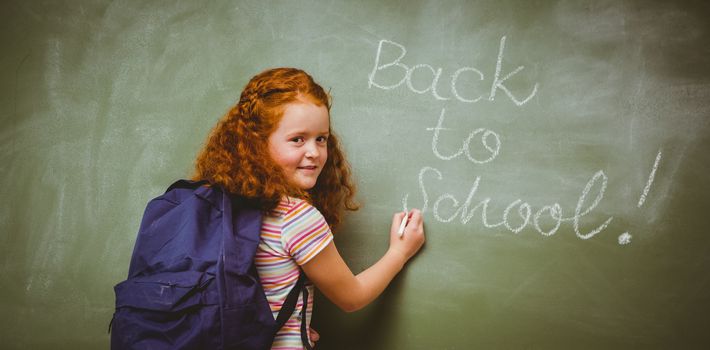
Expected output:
(304, 232)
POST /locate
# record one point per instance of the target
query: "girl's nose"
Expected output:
(312, 151)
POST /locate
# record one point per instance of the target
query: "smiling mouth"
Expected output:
(310, 167)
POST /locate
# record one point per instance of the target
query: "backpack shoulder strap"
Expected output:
(291, 300)
(289, 306)
(187, 184)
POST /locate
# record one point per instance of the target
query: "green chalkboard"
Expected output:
(559, 149)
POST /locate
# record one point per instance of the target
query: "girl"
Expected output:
(276, 147)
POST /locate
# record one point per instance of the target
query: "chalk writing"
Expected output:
(465, 147)
(465, 211)
(624, 238)
(407, 72)
(447, 207)
(650, 180)
(498, 81)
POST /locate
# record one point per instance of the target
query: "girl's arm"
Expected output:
(331, 275)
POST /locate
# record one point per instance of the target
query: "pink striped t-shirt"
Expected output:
(291, 235)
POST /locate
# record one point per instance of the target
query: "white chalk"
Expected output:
(650, 180)
(403, 224)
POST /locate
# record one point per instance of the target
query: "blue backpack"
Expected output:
(192, 283)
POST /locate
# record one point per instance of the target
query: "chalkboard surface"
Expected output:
(558, 148)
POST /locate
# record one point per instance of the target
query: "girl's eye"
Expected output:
(297, 139)
(322, 139)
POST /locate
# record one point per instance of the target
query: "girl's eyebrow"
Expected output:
(295, 133)
(303, 131)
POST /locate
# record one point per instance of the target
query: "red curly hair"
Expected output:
(236, 157)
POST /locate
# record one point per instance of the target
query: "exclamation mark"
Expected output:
(650, 180)
(625, 238)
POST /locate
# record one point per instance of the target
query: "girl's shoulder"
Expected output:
(290, 207)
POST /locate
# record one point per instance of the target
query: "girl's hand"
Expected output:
(313, 335)
(329, 272)
(413, 238)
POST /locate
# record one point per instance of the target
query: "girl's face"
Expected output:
(299, 143)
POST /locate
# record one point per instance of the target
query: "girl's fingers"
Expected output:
(396, 221)
(416, 216)
(313, 335)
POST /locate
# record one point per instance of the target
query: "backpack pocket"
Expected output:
(164, 311)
